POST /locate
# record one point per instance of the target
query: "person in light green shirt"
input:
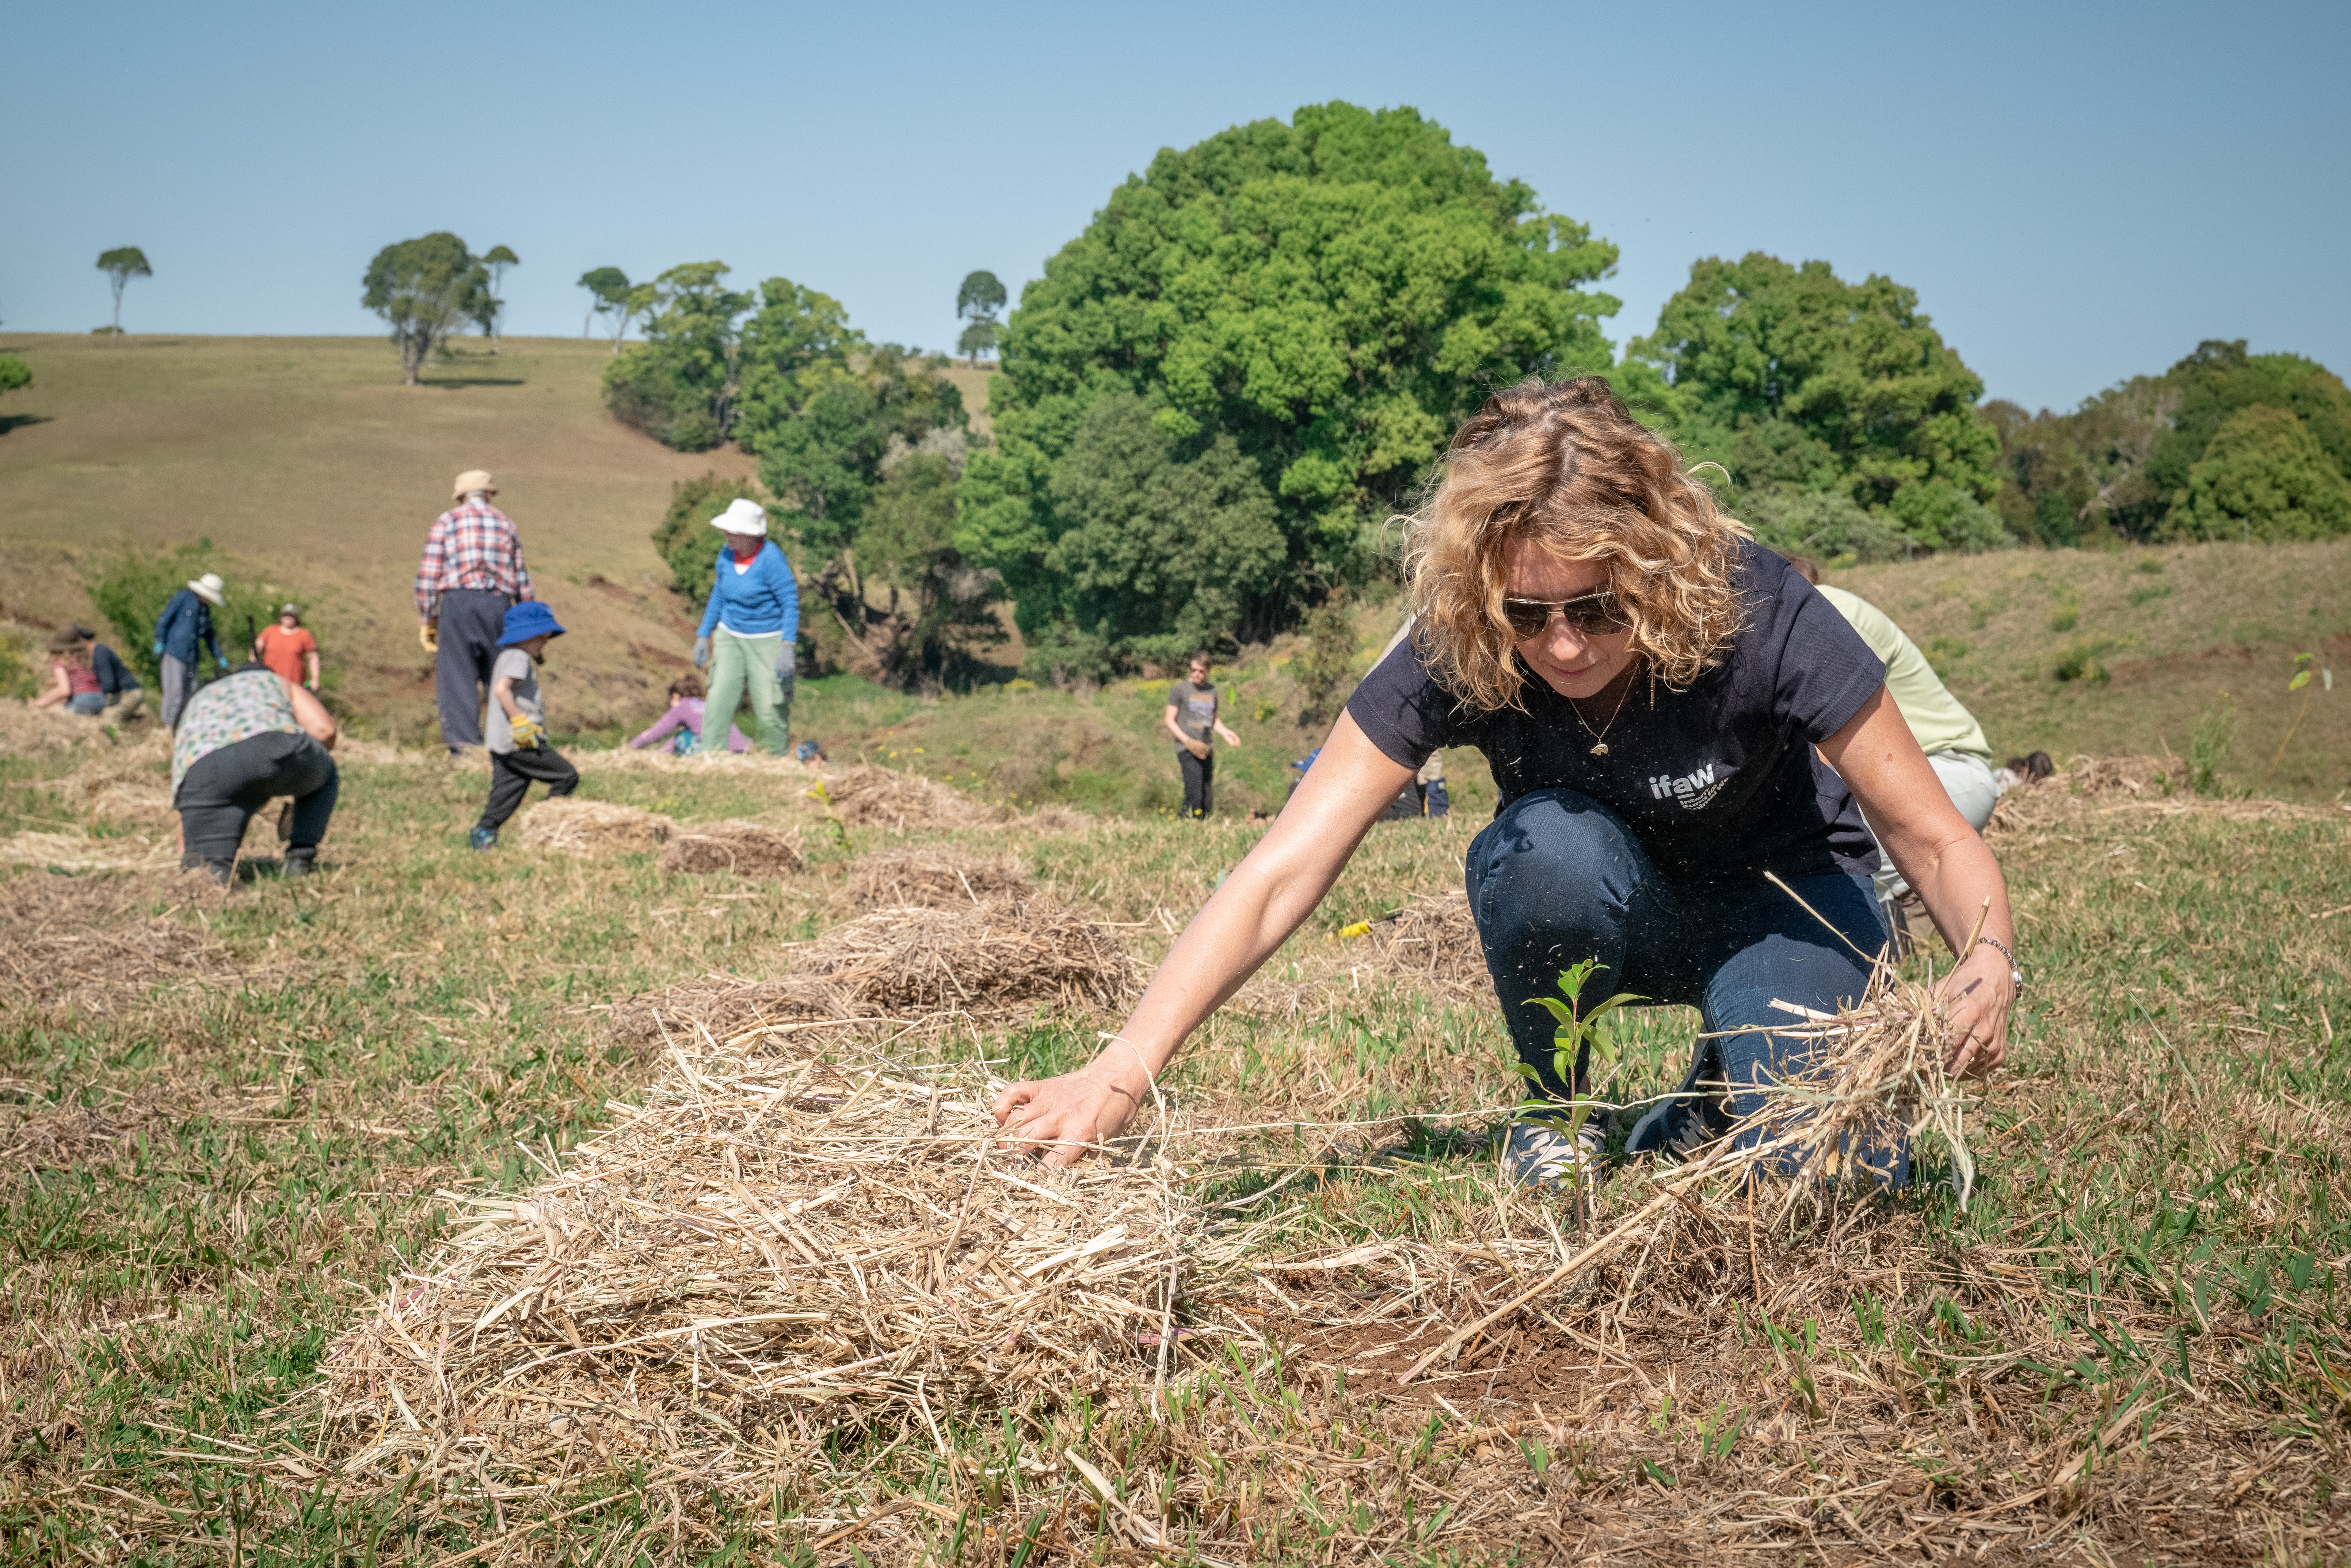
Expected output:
(1947, 733)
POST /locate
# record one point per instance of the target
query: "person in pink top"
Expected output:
(685, 721)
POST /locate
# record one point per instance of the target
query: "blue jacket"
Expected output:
(757, 603)
(186, 622)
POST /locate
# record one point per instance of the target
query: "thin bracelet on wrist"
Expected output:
(2015, 972)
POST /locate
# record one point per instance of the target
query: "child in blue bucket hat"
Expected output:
(517, 731)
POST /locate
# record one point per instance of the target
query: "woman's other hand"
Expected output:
(1978, 995)
(1058, 1118)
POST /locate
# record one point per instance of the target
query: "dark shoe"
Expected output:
(295, 865)
(1682, 1126)
(482, 837)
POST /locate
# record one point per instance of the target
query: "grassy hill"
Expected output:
(309, 464)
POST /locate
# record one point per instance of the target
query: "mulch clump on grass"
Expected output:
(81, 943)
(774, 1245)
(913, 966)
(901, 878)
(592, 828)
(2099, 776)
(745, 848)
(866, 796)
(1433, 939)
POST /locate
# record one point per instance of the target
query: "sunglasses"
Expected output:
(1594, 615)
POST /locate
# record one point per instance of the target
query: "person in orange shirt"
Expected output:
(288, 649)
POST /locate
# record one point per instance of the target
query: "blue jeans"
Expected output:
(88, 704)
(1557, 878)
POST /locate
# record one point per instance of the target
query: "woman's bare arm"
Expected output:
(1265, 898)
(311, 715)
(1952, 869)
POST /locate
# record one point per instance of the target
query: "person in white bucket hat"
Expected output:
(751, 632)
(185, 627)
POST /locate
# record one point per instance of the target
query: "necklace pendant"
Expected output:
(1601, 749)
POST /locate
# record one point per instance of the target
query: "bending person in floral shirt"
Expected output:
(245, 740)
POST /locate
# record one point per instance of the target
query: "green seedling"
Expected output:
(1579, 1030)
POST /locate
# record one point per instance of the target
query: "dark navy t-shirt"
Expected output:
(1719, 781)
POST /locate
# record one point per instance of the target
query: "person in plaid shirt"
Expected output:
(472, 573)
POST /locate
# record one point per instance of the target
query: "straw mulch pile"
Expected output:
(2103, 776)
(913, 966)
(82, 852)
(866, 796)
(745, 848)
(940, 878)
(592, 828)
(84, 945)
(774, 1247)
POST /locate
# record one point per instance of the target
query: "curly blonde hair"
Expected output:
(1564, 465)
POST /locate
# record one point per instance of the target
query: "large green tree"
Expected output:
(678, 385)
(2263, 475)
(1159, 555)
(1795, 379)
(1331, 297)
(425, 289)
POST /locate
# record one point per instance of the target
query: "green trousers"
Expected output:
(746, 666)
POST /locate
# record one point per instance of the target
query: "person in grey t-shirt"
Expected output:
(1191, 718)
(516, 735)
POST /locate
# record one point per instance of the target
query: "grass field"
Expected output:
(228, 1124)
(236, 1128)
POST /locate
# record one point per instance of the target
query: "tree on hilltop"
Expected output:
(678, 386)
(2263, 475)
(121, 265)
(492, 307)
(15, 374)
(609, 293)
(1331, 297)
(980, 298)
(425, 289)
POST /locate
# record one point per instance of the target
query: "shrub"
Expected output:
(2264, 477)
(20, 675)
(2208, 749)
(2084, 660)
(1329, 659)
(132, 589)
(649, 389)
(685, 536)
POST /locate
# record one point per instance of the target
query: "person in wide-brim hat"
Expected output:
(184, 629)
(751, 630)
(470, 574)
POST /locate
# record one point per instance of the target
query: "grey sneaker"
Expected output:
(1540, 1154)
(1682, 1126)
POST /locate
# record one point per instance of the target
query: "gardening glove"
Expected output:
(700, 651)
(428, 633)
(159, 647)
(529, 735)
(787, 662)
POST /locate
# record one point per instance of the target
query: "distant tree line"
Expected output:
(1218, 394)
(2223, 445)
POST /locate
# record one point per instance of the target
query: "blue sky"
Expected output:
(2078, 194)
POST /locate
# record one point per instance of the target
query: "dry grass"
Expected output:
(84, 945)
(579, 827)
(892, 879)
(744, 847)
(774, 1251)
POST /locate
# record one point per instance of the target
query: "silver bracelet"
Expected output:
(2015, 973)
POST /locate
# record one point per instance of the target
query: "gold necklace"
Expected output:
(1600, 737)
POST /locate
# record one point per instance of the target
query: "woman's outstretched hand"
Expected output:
(1980, 994)
(1056, 1118)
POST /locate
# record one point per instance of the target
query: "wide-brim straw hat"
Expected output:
(742, 516)
(471, 480)
(209, 588)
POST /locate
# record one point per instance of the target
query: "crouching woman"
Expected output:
(244, 740)
(1670, 713)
